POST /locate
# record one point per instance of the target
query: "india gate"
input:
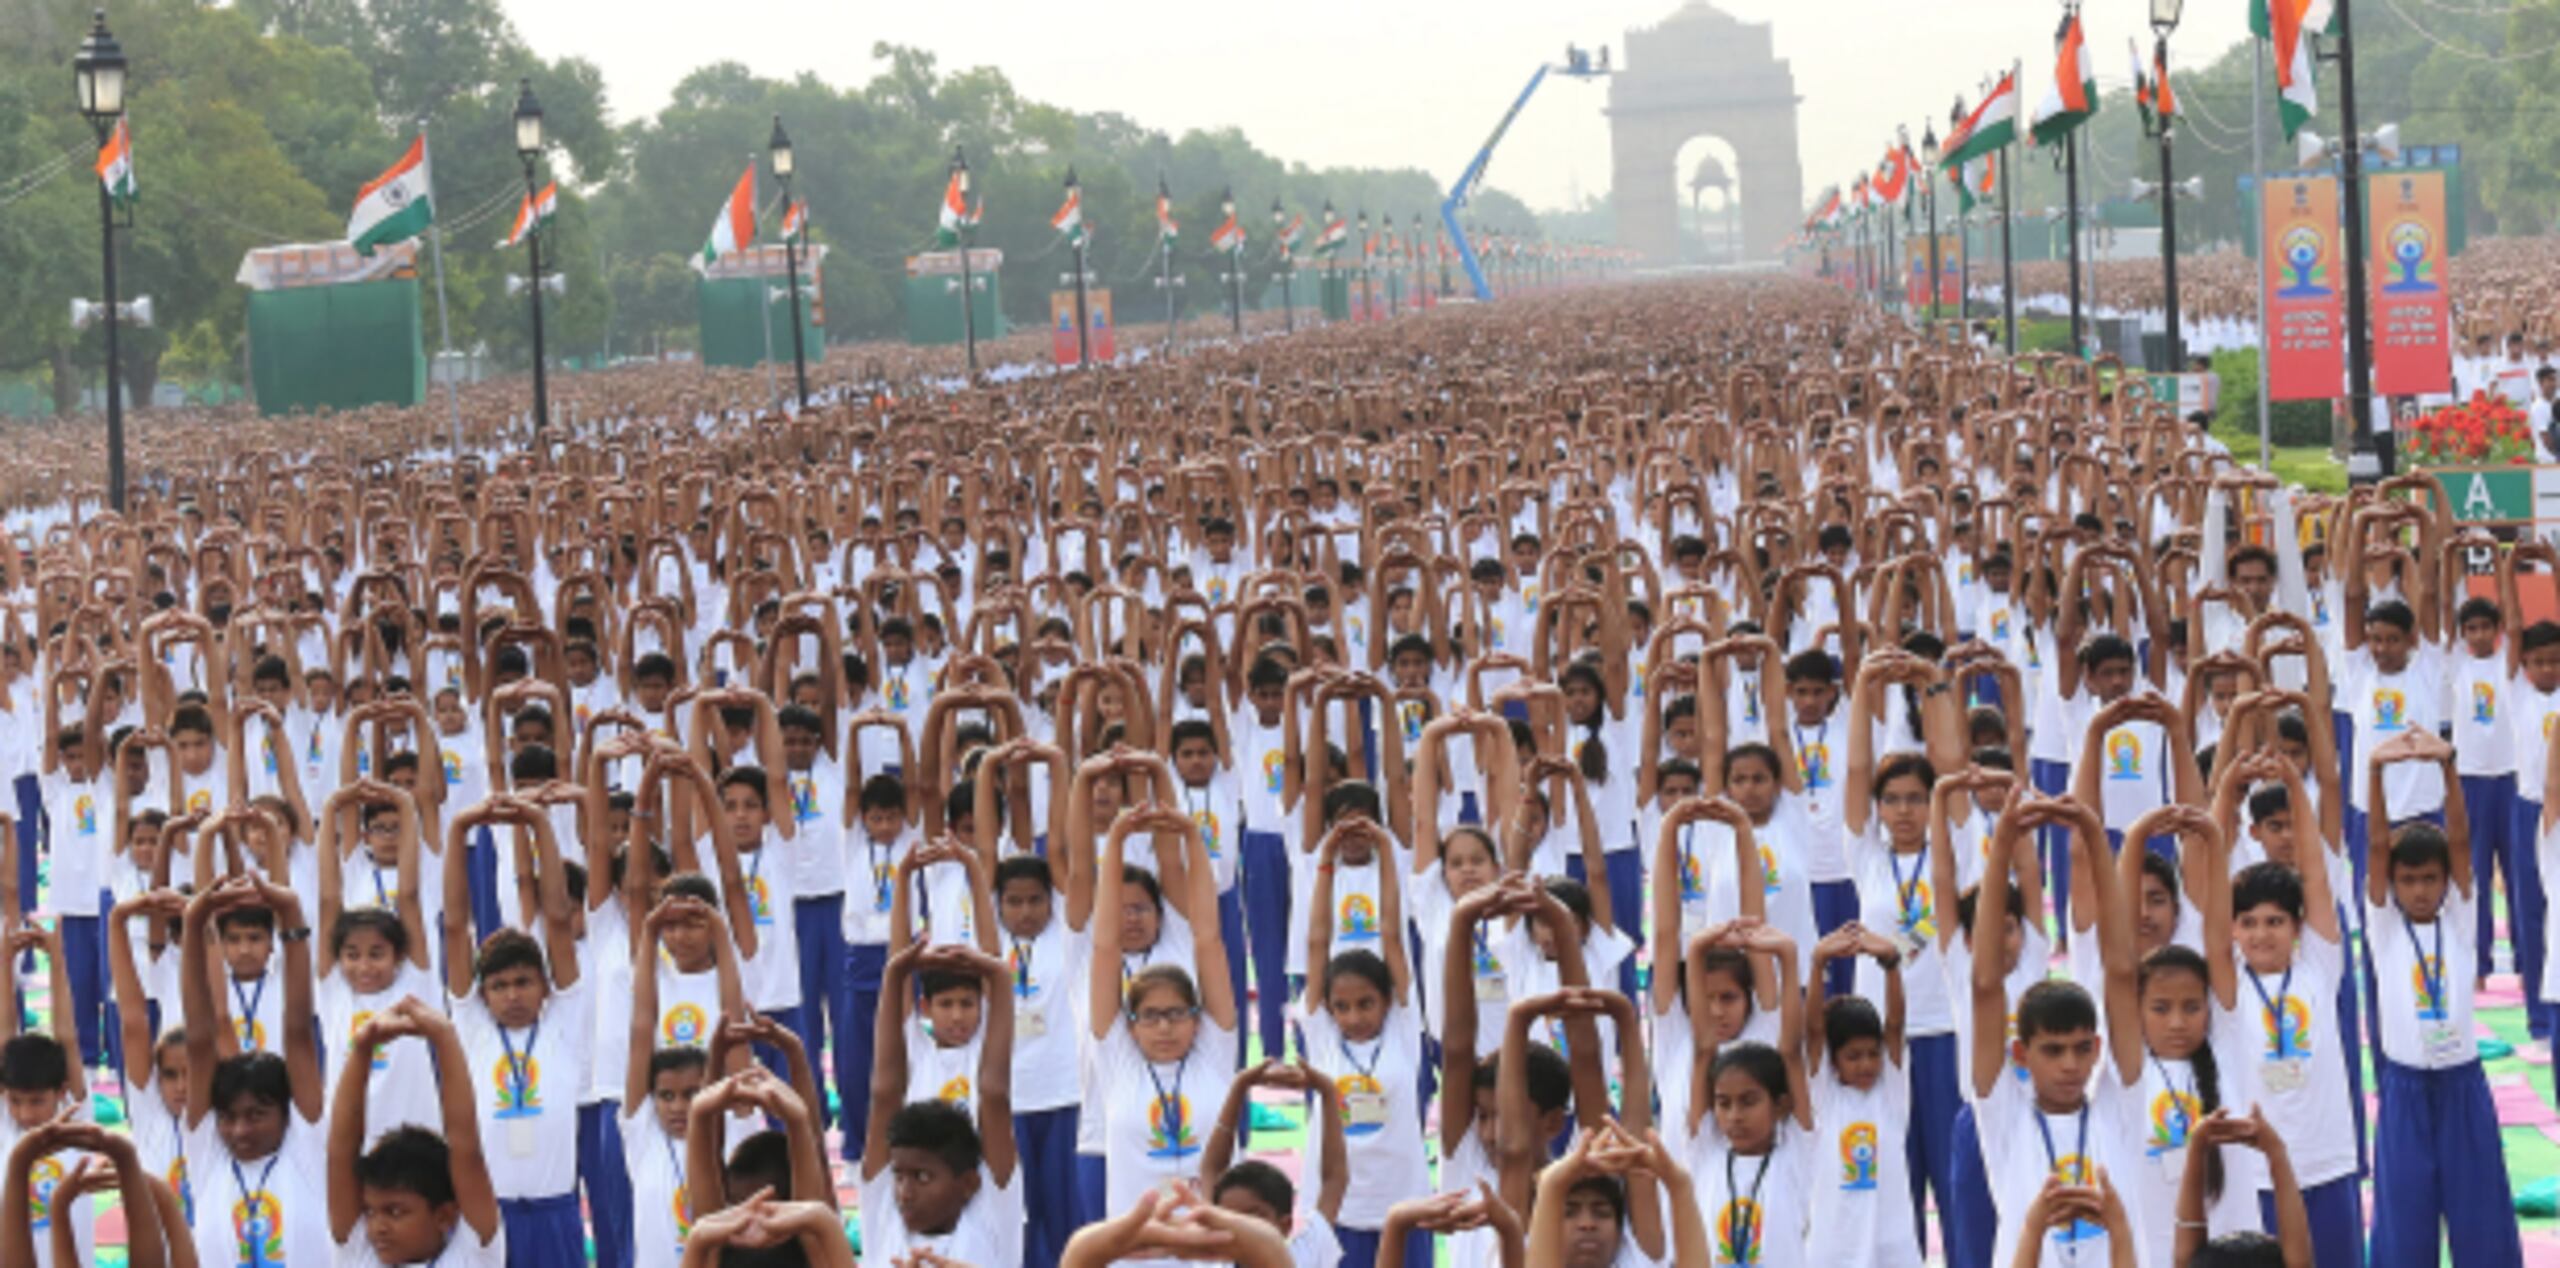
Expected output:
(1703, 72)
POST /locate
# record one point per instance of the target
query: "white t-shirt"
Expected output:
(1896, 896)
(1432, 903)
(688, 1009)
(771, 977)
(46, 1173)
(1049, 974)
(75, 818)
(1534, 974)
(2424, 975)
(157, 1137)
(1155, 1117)
(818, 841)
(1859, 1210)
(2387, 704)
(462, 1249)
(2170, 1107)
(2022, 1144)
(402, 1088)
(1755, 1207)
(871, 884)
(1787, 875)
(661, 1214)
(988, 1232)
(1218, 808)
(1358, 907)
(1380, 1085)
(1820, 751)
(2035, 954)
(2483, 740)
(1262, 758)
(274, 1210)
(939, 1073)
(2531, 716)
(2285, 1032)
(529, 1084)
(257, 1007)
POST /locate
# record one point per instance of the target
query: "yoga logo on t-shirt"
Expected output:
(1693, 878)
(804, 800)
(1738, 1232)
(684, 1213)
(2172, 1113)
(1358, 1088)
(1359, 919)
(2484, 702)
(1207, 822)
(2424, 977)
(2124, 755)
(41, 1180)
(760, 901)
(1918, 919)
(684, 1026)
(381, 1052)
(85, 810)
(2390, 709)
(257, 1226)
(1858, 1158)
(519, 1090)
(253, 1034)
(452, 769)
(2288, 1020)
(1817, 765)
(177, 1179)
(1770, 881)
(1275, 770)
(1170, 1140)
(2074, 1169)
(200, 801)
(1411, 714)
(955, 1092)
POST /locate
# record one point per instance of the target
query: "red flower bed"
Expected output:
(2485, 431)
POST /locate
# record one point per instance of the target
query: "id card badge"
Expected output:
(520, 1141)
(1491, 989)
(2442, 1044)
(2288, 1075)
(1030, 1023)
(1908, 941)
(1364, 1109)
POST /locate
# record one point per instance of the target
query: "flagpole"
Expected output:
(2258, 170)
(2008, 256)
(2071, 209)
(444, 324)
(772, 383)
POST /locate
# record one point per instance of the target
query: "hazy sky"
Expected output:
(1382, 83)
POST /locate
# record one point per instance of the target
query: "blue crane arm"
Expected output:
(1465, 186)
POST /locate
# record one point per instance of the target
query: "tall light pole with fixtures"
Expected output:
(1235, 263)
(968, 282)
(783, 166)
(2164, 19)
(98, 81)
(2351, 187)
(1367, 311)
(1288, 267)
(1929, 194)
(529, 149)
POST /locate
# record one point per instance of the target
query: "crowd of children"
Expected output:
(1767, 787)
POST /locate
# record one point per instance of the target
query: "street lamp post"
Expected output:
(1421, 266)
(1084, 338)
(529, 149)
(1929, 194)
(1367, 311)
(2351, 189)
(783, 166)
(2164, 19)
(97, 79)
(1235, 264)
(1288, 267)
(968, 282)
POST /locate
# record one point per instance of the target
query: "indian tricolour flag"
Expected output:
(2288, 24)
(1290, 232)
(1229, 236)
(1070, 217)
(1336, 231)
(397, 205)
(735, 227)
(2073, 95)
(535, 212)
(795, 220)
(1992, 125)
(955, 214)
(1165, 226)
(115, 164)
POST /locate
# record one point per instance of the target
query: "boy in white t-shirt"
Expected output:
(933, 1175)
(1256, 1188)
(2395, 679)
(416, 1196)
(42, 1077)
(2435, 1161)
(99, 1162)
(2076, 1115)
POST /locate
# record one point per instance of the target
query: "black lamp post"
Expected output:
(783, 165)
(1367, 311)
(529, 149)
(968, 294)
(1235, 263)
(1288, 267)
(2164, 19)
(97, 80)
(1928, 177)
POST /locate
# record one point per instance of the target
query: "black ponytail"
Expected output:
(1593, 755)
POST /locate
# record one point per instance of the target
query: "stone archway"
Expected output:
(1702, 71)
